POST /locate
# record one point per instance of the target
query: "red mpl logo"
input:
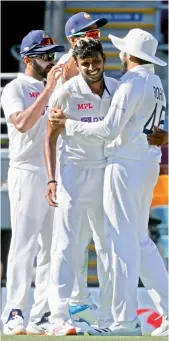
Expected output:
(34, 94)
(85, 106)
(154, 318)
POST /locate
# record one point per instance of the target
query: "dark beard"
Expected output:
(124, 67)
(40, 70)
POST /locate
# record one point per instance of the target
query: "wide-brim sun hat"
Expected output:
(140, 44)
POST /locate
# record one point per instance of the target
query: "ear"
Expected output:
(74, 40)
(104, 58)
(27, 60)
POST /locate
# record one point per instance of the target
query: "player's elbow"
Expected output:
(19, 122)
(21, 127)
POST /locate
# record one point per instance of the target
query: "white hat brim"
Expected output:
(121, 45)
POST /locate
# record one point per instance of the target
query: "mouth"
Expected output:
(94, 73)
(48, 68)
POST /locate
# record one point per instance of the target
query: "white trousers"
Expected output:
(128, 188)
(31, 223)
(80, 195)
(80, 294)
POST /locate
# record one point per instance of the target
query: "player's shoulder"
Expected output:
(71, 85)
(133, 80)
(63, 59)
(62, 93)
(111, 83)
(13, 86)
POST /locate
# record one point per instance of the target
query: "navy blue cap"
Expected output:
(31, 44)
(78, 22)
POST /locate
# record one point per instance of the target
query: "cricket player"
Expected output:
(130, 176)
(24, 100)
(80, 25)
(85, 97)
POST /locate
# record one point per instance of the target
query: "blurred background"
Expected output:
(51, 16)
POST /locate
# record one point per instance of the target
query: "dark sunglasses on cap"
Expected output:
(95, 34)
(45, 57)
(44, 42)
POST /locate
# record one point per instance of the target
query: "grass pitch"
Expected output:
(80, 338)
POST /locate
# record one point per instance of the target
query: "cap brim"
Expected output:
(121, 45)
(45, 49)
(49, 48)
(100, 22)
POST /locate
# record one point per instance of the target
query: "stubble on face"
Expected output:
(124, 67)
(41, 67)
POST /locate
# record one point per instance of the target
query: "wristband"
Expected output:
(52, 181)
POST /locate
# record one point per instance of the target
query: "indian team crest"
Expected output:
(87, 16)
(45, 35)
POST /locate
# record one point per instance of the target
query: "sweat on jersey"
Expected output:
(26, 150)
(78, 102)
(138, 104)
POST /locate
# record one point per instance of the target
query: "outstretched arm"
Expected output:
(124, 104)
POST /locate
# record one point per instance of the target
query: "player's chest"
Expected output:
(88, 110)
(31, 94)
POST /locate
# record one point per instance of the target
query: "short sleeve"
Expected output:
(12, 99)
(59, 99)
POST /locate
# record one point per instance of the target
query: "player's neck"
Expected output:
(131, 65)
(33, 74)
(97, 87)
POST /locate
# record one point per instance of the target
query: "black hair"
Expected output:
(87, 48)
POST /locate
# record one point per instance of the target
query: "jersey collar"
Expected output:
(85, 89)
(149, 67)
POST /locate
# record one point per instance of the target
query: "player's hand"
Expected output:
(57, 118)
(53, 75)
(158, 138)
(50, 194)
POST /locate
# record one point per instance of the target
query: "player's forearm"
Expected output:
(97, 130)
(50, 157)
(26, 119)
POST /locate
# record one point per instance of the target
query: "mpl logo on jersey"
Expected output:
(91, 119)
(34, 94)
(84, 106)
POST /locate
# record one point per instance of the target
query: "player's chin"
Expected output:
(95, 78)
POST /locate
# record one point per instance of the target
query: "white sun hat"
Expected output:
(140, 44)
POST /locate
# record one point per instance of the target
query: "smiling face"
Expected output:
(91, 68)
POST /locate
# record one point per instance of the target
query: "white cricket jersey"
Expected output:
(138, 104)
(26, 150)
(78, 102)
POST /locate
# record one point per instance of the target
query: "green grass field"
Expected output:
(80, 338)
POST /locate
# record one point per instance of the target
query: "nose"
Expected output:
(91, 67)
